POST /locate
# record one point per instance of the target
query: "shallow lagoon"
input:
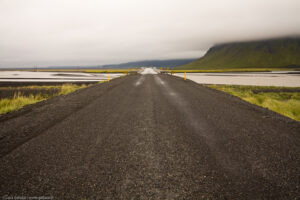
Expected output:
(26, 76)
(287, 79)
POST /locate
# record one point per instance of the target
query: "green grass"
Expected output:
(19, 101)
(278, 99)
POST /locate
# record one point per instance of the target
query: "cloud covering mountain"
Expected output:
(92, 32)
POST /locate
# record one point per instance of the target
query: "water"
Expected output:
(256, 78)
(286, 79)
(26, 76)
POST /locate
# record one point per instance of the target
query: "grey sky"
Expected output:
(91, 32)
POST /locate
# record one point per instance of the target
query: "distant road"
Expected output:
(149, 137)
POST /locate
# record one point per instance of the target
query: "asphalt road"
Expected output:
(149, 137)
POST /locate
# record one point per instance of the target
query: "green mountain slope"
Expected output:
(275, 53)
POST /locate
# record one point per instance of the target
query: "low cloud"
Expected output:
(92, 32)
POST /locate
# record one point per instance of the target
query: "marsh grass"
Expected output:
(19, 100)
(280, 101)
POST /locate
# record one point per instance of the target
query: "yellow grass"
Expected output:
(8, 105)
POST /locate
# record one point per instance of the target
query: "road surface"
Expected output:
(149, 137)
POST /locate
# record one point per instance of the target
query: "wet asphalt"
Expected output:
(149, 137)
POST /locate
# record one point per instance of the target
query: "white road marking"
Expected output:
(139, 81)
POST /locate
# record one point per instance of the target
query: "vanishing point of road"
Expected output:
(149, 137)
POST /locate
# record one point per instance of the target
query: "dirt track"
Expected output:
(149, 137)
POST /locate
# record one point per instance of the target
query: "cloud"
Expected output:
(92, 32)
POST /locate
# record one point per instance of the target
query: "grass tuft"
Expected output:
(69, 88)
(18, 102)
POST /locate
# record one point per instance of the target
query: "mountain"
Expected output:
(152, 63)
(272, 53)
(147, 63)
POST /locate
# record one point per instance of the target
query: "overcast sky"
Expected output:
(95, 32)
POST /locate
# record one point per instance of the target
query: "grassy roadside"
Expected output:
(19, 99)
(283, 100)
